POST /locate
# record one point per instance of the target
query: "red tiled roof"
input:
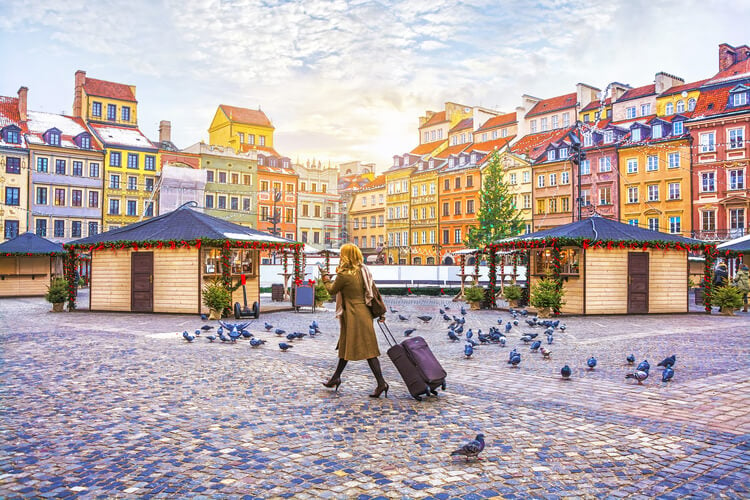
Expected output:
(597, 104)
(553, 104)
(9, 111)
(246, 116)
(686, 87)
(463, 125)
(452, 150)
(499, 121)
(378, 181)
(714, 102)
(435, 119)
(244, 148)
(488, 146)
(731, 73)
(638, 92)
(427, 147)
(102, 88)
(534, 145)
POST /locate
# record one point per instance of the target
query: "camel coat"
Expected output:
(357, 338)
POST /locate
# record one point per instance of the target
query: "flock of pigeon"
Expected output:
(232, 332)
(498, 335)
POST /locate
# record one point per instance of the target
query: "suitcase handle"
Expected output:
(386, 332)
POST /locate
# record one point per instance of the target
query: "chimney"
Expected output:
(585, 94)
(424, 119)
(165, 131)
(23, 94)
(618, 90)
(80, 80)
(665, 81)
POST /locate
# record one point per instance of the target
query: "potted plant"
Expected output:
(321, 294)
(512, 294)
(728, 298)
(546, 296)
(216, 297)
(57, 293)
(474, 296)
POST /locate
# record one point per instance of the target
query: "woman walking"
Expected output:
(353, 287)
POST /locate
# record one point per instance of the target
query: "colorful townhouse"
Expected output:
(598, 173)
(277, 200)
(14, 166)
(552, 177)
(318, 221)
(423, 204)
(459, 187)
(397, 217)
(131, 161)
(367, 214)
(182, 178)
(66, 182)
(352, 176)
(719, 128)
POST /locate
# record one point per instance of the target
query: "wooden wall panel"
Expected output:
(667, 282)
(176, 281)
(24, 276)
(110, 280)
(573, 297)
(606, 281)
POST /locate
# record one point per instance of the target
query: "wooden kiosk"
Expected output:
(607, 267)
(27, 265)
(161, 264)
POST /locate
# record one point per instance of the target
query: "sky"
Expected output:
(347, 80)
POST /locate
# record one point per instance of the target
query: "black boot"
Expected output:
(382, 385)
(335, 380)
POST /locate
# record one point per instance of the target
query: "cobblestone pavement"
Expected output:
(101, 405)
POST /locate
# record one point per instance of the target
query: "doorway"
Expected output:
(638, 282)
(142, 282)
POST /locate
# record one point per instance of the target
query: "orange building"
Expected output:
(277, 197)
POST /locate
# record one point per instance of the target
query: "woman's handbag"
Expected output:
(377, 306)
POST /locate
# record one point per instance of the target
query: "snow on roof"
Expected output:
(254, 237)
(40, 122)
(121, 136)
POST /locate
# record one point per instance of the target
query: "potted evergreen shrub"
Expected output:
(474, 296)
(57, 294)
(216, 297)
(321, 294)
(512, 294)
(728, 298)
(545, 297)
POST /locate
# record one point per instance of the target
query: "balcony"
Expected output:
(719, 236)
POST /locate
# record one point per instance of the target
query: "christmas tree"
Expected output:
(498, 217)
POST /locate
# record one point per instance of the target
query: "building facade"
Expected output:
(319, 207)
(14, 166)
(367, 215)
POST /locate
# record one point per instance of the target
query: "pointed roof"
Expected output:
(534, 145)
(246, 116)
(601, 229)
(463, 125)
(112, 90)
(70, 127)
(553, 104)
(427, 147)
(597, 104)
(436, 118)
(182, 224)
(678, 89)
(734, 72)
(638, 92)
(30, 244)
(715, 101)
(453, 150)
(499, 121)
(117, 136)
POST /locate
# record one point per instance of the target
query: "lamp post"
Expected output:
(275, 218)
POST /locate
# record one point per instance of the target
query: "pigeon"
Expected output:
(284, 346)
(206, 328)
(246, 334)
(459, 330)
(471, 449)
(531, 322)
(668, 362)
(268, 326)
(234, 334)
(442, 311)
(667, 374)
(499, 321)
(565, 372)
(187, 336)
(550, 339)
(524, 312)
(453, 336)
(223, 337)
(402, 317)
(643, 366)
(638, 375)
(501, 341)
(291, 336)
(311, 332)
(425, 318)
(527, 338)
(461, 320)
(515, 322)
(545, 352)
(536, 345)
(562, 328)
(300, 335)
(469, 333)
(591, 362)
(468, 350)
(211, 338)
(239, 326)
(279, 332)
(463, 311)
(446, 317)
(393, 311)
(484, 339)
(220, 331)
(257, 342)
(630, 359)
(447, 307)
(515, 360)
(197, 332)
(409, 331)
(204, 317)
(508, 327)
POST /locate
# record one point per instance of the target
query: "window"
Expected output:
(551, 154)
(251, 138)
(414, 191)
(59, 197)
(533, 126)
(93, 170)
(457, 208)
(673, 160)
(632, 165)
(114, 181)
(132, 160)
(59, 229)
(707, 142)
(469, 206)
(652, 163)
(605, 195)
(93, 228)
(469, 181)
(656, 131)
(41, 227)
(42, 165)
(653, 224)
(210, 175)
(680, 108)
(457, 183)
(111, 112)
(457, 236)
(566, 119)
(96, 109)
(447, 185)
(540, 181)
(503, 133)
(235, 178)
(148, 208)
(78, 168)
(132, 208)
(149, 162)
(553, 179)
(41, 196)
(588, 139)
(317, 212)
(13, 196)
(247, 181)
(415, 238)
(653, 192)
(585, 197)
(609, 136)
(125, 113)
(633, 222)
(585, 167)
(209, 201)
(222, 205)
(222, 177)
(242, 137)
(605, 164)
(669, 109)
(246, 204)
(552, 205)
(677, 128)
(132, 183)
(12, 165)
(76, 198)
(60, 167)
(736, 179)
(736, 222)
(115, 159)
(555, 121)
(691, 104)
(149, 184)
(540, 206)
(736, 138)
(674, 225)
(630, 112)
(527, 176)
(674, 190)
(114, 207)
(645, 109)
(543, 124)
(262, 142)
(381, 220)
(526, 201)
(565, 204)
(708, 182)
(234, 203)
(635, 134)
(633, 194)
(739, 99)
(708, 220)
(94, 199)
(563, 153)
(564, 178)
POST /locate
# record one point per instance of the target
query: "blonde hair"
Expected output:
(350, 260)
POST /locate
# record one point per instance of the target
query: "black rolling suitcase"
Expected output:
(415, 362)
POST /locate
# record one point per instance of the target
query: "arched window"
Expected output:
(691, 104)
(448, 261)
(680, 106)
(669, 109)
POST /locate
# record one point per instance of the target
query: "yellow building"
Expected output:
(424, 209)
(397, 221)
(14, 161)
(131, 162)
(367, 219)
(679, 99)
(241, 128)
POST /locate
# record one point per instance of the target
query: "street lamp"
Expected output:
(275, 218)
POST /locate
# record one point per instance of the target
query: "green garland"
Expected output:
(708, 286)
(493, 276)
(70, 261)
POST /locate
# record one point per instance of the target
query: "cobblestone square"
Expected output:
(108, 405)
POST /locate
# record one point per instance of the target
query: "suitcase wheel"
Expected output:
(434, 392)
(418, 397)
(443, 386)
